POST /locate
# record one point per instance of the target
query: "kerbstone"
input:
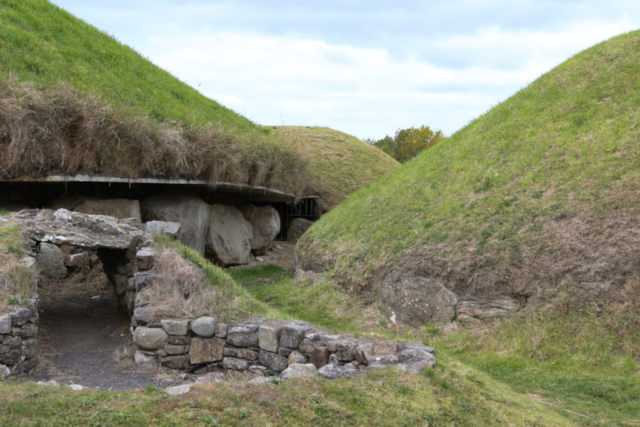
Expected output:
(293, 334)
(273, 361)
(243, 336)
(204, 350)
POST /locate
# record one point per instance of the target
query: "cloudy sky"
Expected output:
(366, 67)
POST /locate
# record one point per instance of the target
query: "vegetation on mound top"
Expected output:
(339, 164)
(41, 43)
(562, 152)
(60, 131)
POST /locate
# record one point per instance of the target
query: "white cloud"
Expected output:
(281, 79)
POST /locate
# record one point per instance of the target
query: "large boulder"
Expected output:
(117, 208)
(185, 208)
(265, 222)
(417, 300)
(229, 236)
(297, 228)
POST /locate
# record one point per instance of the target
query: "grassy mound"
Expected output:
(340, 164)
(538, 197)
(75, 101)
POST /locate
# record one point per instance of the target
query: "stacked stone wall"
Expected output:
(19, 339)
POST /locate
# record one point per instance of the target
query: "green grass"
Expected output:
(580, 366)
(564, 147)
(361, 163)
(42, 43)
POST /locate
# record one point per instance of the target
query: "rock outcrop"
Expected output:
(229, 236)
(184, 208)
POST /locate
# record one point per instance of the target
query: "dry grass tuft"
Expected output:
(180, 290)
(58, 130)
(17, 282)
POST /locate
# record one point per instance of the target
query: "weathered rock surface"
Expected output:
(77, 229)
(269, 336)
(265, 224)
(150, 338)
(184, 208)
(273, 361)
(204, 326)
(175, 327)
(486, 308)
(229, 236)
(243, 336)
(163, 227)
(5, 324)
(417, 300)
(299, 370)
(206, 350)
(178, 390)
(145, 361)
(235, 363)
(51, 261)
(297, 228)
(293, 334)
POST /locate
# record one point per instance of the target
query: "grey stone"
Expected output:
(174, 350)
(175, 326)
(235, 363)
(265, 224)
(346, 351)
(416, 359)
(27, 330)
(5, 324)
(145, 361)
(229, 236)
(141, 280)
(385, 348)
(364, 352)
(263, 380)
(150, 338)
(242, 353)
(51, 261)
(273, 361)
(417, 300)
(12, 357)
(12, 342)
(204, 326)
(248, 210)
(383, 360)
(297, 228)
(175, 362)
(116, 208)
(89, 232)
(473, 310)
(77, 260)
(332, 371)
(204, 350)
(142, 315)
(299, 370)
(184, 208)
(178, 390)
(29, 348)
(183, 341)
(284, 351)
(293, 334)
(415, 344)
(243, 336)
(25, 366)
(163, 227)
(30, 263)
(269, 336)
(4, 371)
(145, 258)
(417, 366)
(121, 282)
(221, 330)
(296, 358)
(211, 378)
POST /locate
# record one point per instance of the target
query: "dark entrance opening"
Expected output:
(306, 209)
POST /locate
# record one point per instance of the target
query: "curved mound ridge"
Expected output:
(339, 164)
(537, 198)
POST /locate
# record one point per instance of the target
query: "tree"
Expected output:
(408, 143)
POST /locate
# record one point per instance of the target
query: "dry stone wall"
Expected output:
(291, 349)
(19, 339)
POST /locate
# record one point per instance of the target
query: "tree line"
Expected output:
(407, 143)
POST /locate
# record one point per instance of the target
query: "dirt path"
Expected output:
(281, 254)
(84, 327)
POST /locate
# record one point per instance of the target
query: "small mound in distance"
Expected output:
(339, 164)
(534, 204)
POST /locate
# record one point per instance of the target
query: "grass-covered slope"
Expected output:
(340, 164)
(539, 194)
(42, 43)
